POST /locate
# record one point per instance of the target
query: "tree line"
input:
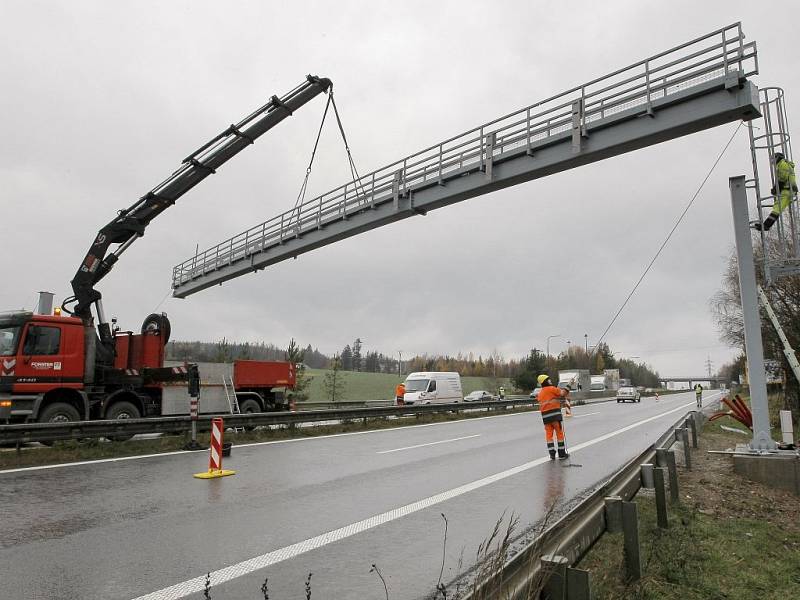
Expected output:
(595, 361)
(522, 371)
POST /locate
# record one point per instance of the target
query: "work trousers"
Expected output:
(554, 427)
(782, 202)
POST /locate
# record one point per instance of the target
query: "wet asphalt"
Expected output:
(121, 530)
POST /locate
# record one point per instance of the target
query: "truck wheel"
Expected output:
(59, 412)
(121, 411)
(249, 406)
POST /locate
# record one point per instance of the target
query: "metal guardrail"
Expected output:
(573, 534)
(51, 432)
(715, 55)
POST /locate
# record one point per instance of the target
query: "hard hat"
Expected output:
(779, 156)
(542, 378)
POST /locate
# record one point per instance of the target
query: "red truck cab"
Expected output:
(42, 362)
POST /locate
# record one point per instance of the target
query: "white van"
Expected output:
(433, 388)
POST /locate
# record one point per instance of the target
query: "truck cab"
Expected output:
(41, 363)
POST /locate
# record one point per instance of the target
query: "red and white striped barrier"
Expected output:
(215, 453)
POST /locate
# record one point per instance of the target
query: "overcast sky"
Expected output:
(102, 100)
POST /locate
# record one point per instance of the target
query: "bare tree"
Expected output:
(784, 295)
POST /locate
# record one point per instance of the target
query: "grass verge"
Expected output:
(72, 451)
(729, 538)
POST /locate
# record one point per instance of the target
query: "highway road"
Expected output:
(334, 505)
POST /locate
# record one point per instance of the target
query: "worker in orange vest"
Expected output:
(399, 393)
(550, 400)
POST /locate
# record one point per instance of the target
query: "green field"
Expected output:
(361, 387)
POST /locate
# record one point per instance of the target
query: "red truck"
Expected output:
(246, 386)
(55, 367)
(43, 375)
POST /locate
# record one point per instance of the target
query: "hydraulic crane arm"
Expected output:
(131, 223)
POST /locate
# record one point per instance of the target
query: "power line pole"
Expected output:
(709, 365)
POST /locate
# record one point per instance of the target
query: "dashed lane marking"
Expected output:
(466, 437)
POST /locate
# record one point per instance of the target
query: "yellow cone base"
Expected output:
(214, 474)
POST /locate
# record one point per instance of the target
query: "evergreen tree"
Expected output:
(296, 356)
(346, 358)
(334, 383)
(357, 355)
(533, 366)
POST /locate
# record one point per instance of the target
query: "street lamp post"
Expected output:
(400, 363)
(549, 337)
(586, 341)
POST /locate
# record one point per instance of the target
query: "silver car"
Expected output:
(628, 393)
(478, 396)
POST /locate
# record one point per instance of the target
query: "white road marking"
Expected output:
(197, 584)
(586, 415)
(289, 441)
(466, 437)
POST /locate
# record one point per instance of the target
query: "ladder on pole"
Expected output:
(787, 347)
(233, 402)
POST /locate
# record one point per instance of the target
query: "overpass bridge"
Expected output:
(700, 84)
(714, 380)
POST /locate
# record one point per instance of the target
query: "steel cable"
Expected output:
(666, 240)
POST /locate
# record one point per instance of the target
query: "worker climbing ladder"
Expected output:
(769, 136)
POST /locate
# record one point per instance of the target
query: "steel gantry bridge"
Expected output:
(700, 84)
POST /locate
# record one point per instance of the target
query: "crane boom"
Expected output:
(131, 223)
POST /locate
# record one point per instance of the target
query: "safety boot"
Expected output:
(562, 453)
(552, 454)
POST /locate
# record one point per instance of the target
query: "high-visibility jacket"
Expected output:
(400, 390)
(550, 403)
(785, 172)
(787, 184)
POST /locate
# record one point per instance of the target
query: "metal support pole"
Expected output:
(762, 440)
(630, 525)
(661, 498)
(554, 567)
(687, 451)
(613, 511)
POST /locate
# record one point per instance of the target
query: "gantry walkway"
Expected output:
(695, 86)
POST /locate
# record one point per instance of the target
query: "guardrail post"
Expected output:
(630, 529)
(672, 469)
(693, 427)
(666, 458)
(554, 567)
(687, 451)
(647, 476)
(661, 498)
(579, 584)
(613, 511)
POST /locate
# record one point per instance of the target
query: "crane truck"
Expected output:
(65, 365)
